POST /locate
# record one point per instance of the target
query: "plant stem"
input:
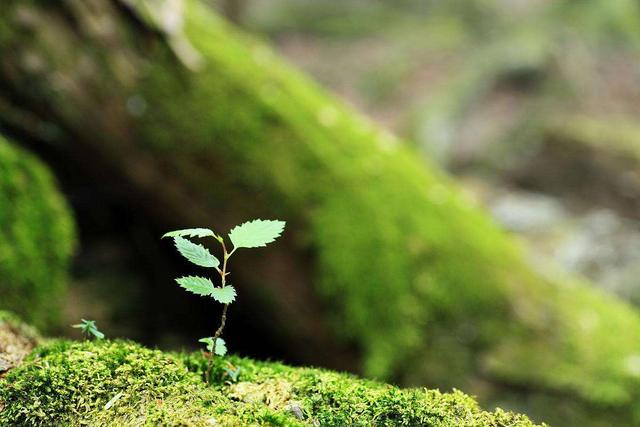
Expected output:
(223, 320)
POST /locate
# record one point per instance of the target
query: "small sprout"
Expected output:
(252, 234)
(89, 329)
(232, 371)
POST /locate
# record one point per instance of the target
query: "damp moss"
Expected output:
(36, 237)
(121, 383)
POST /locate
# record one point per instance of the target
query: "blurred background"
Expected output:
(463, 209)
(532, 104)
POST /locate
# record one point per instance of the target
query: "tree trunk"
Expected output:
(205, 126)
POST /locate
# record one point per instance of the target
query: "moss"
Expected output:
(122, 383)
(429, 288)
(425, 285)
(36, 238)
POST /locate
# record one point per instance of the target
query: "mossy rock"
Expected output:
(119, 383)
(36, 238)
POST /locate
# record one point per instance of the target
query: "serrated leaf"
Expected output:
(221, 345)
(197, 254)
(224, 295)
(256, 233)
(197, 285)
(190, 232)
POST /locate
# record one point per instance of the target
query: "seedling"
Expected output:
(252, 234)
(89, 329)
(232, 371)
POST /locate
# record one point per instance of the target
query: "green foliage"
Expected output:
(190, 232)
(224, 295)
(109, 383)
(89, 329)
(255, 233)
(232, 371)
(37, 238)
(220, 347)
(197, 285)
(195, 253)
(248, 235)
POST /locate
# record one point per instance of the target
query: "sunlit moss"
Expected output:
(120, 383)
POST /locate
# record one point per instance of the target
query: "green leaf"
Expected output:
(256, 233)
(221, 345)
(96, 333)
(224, 295)
(190, 232)
(208, 341)
(197, 254)
(88, 328)
(197, 285)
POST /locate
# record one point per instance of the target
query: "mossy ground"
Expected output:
(36, 238)
(121, 383)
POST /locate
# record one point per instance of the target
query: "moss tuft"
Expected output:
(36, 238)
(121, 383)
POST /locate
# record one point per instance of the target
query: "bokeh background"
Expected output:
(460, 179)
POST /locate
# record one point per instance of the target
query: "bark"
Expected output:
(205, 127)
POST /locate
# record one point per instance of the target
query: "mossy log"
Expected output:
(120, 383)
(36, 238)
(384, 254)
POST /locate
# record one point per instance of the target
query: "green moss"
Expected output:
(425, 285)
(429, 288)
(121, 383)
(36, 238)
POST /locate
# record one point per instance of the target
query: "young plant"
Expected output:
(89, 329)
(232, 372)
(252, 234)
